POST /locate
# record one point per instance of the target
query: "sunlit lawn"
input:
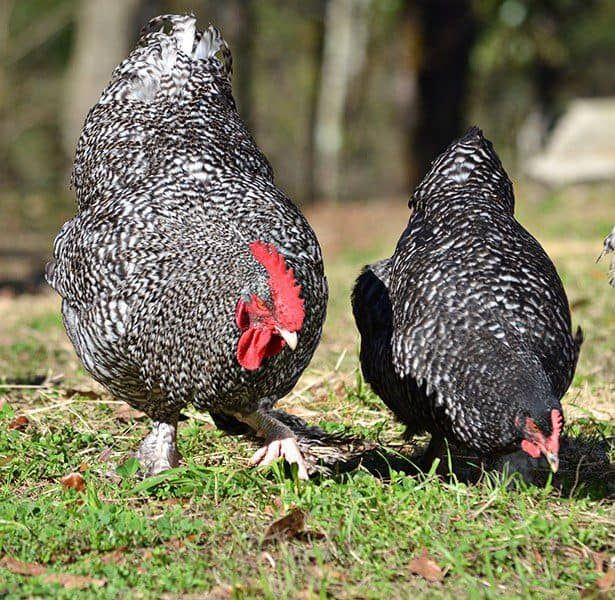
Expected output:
(203, 527)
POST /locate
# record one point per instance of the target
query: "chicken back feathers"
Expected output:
(466, 329)
(176, 204)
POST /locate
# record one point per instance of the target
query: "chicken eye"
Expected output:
(531, 426)
(260, 304)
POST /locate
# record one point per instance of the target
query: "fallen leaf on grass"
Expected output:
(425, 566)
(287, 526)
(607, 581)
(73, 481)
(291, 526)
(91, 394)
(73, 582)
(19, 423)
(114, 556)
(21, 568)
(178, 543)
(67, 580)
(125, 413)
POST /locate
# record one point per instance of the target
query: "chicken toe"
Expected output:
(287, 449)
(280, 441)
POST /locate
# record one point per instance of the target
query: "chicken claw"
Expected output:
(287, 449)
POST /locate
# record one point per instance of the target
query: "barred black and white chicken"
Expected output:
(187, 275)
(466, 329)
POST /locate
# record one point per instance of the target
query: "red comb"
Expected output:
(557, 423)
(285, 291)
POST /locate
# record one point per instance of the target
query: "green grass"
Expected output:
(203, 525)
(202, 528)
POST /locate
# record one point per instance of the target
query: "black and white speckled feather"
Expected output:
(171, 190)
(467, 325)
(609, 246)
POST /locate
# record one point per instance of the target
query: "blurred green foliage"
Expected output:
(529, 57)
(539, 54)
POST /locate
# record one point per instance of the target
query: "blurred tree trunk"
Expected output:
(309, 187)
(5, 13)
(344, 51)
(448, 32)
(240, 28)
(104, 29)
(406, 86)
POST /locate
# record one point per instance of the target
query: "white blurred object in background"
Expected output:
(581, 147)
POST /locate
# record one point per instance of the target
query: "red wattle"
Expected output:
(251, 348)
(255, 345)
(532, 449)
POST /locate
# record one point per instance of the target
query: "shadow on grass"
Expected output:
(586, 468)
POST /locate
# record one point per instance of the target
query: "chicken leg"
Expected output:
(436, 448)
(158, 451)
(280, 441)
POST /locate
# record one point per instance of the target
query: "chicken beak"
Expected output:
(290, 337)
(553, 460)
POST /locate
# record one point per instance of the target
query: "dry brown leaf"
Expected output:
(288, 526)
(113, 557)
(291, 526)
(91, 394)
(178, 543)
(125, 413)
(67, 580)
(21, 568)
(73, 582)
(19, 423)
(425, 566)
(607, 581)
(83, 467)
(73, 481)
